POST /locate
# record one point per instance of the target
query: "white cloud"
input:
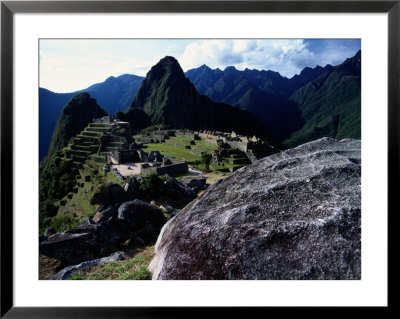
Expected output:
(285, 56)
(69, 65)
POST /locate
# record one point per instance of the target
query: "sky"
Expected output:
(67, 65)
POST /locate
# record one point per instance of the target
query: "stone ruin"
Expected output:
(170, 166)
(255, 148)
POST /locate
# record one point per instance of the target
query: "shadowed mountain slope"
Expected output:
(330, 104)
(169, 98)
(75, 116)
(114, 94)
(263, 93)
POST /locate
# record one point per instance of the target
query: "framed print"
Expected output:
(237, 153)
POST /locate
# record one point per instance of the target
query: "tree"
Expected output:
(206, 160)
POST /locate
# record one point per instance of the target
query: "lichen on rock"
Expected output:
(292, 215)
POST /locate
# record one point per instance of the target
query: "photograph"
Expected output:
(199, 159)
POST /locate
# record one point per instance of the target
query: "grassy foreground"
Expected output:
(130, 269)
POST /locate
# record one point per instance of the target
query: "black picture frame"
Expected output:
(9, 8)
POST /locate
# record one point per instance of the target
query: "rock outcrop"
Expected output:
(109, 194)
(143, 218)
(91, 239)
(197, 183)
(67, 272)
(292, 215)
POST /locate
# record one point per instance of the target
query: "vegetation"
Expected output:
(172, 151)
(130, 269)
(56, 179)
(206, 160)
(113, 94)
(156, 127)
(75, 116)
(331, 104)
(169, 98)
(65, 222)
(151, 186)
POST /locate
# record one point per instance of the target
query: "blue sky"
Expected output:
(68, 65)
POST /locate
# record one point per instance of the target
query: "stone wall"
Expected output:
(189, 134)
(118, 174)
(105, 119)
(242, 146)
(122, 156)
(146, 140)
(177, 168)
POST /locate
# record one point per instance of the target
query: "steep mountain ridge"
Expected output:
(114, 94)
(75, 116)
(330, 104)
(289, 108)
(169, 98)
(263, 93)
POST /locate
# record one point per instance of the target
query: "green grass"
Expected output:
(111, 178)
(181, 139)
(80, 202)
(172, 151)
(65, 222)
(185, 154)
(131, 269)
(202, 144)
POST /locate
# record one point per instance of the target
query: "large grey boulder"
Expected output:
(292, 215)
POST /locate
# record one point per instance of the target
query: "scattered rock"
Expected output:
(115, 225)
(293, 215)
(85, 242)
(143, 218)
(109, 194)
(172, 215)
(88, 221)
(139, 241)
(183, 189)
(132, 187)
(67, 272)
(106, 213)
(167, 209)
(67, 247)
(42, 238)
(49, 231)
(197, 183)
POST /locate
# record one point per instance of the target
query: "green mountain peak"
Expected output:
(75, 116)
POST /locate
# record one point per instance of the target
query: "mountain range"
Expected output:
(114, 94)
(169, 98)
(263, 93)
(320, 101)
(75, 116)
(330, 104)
